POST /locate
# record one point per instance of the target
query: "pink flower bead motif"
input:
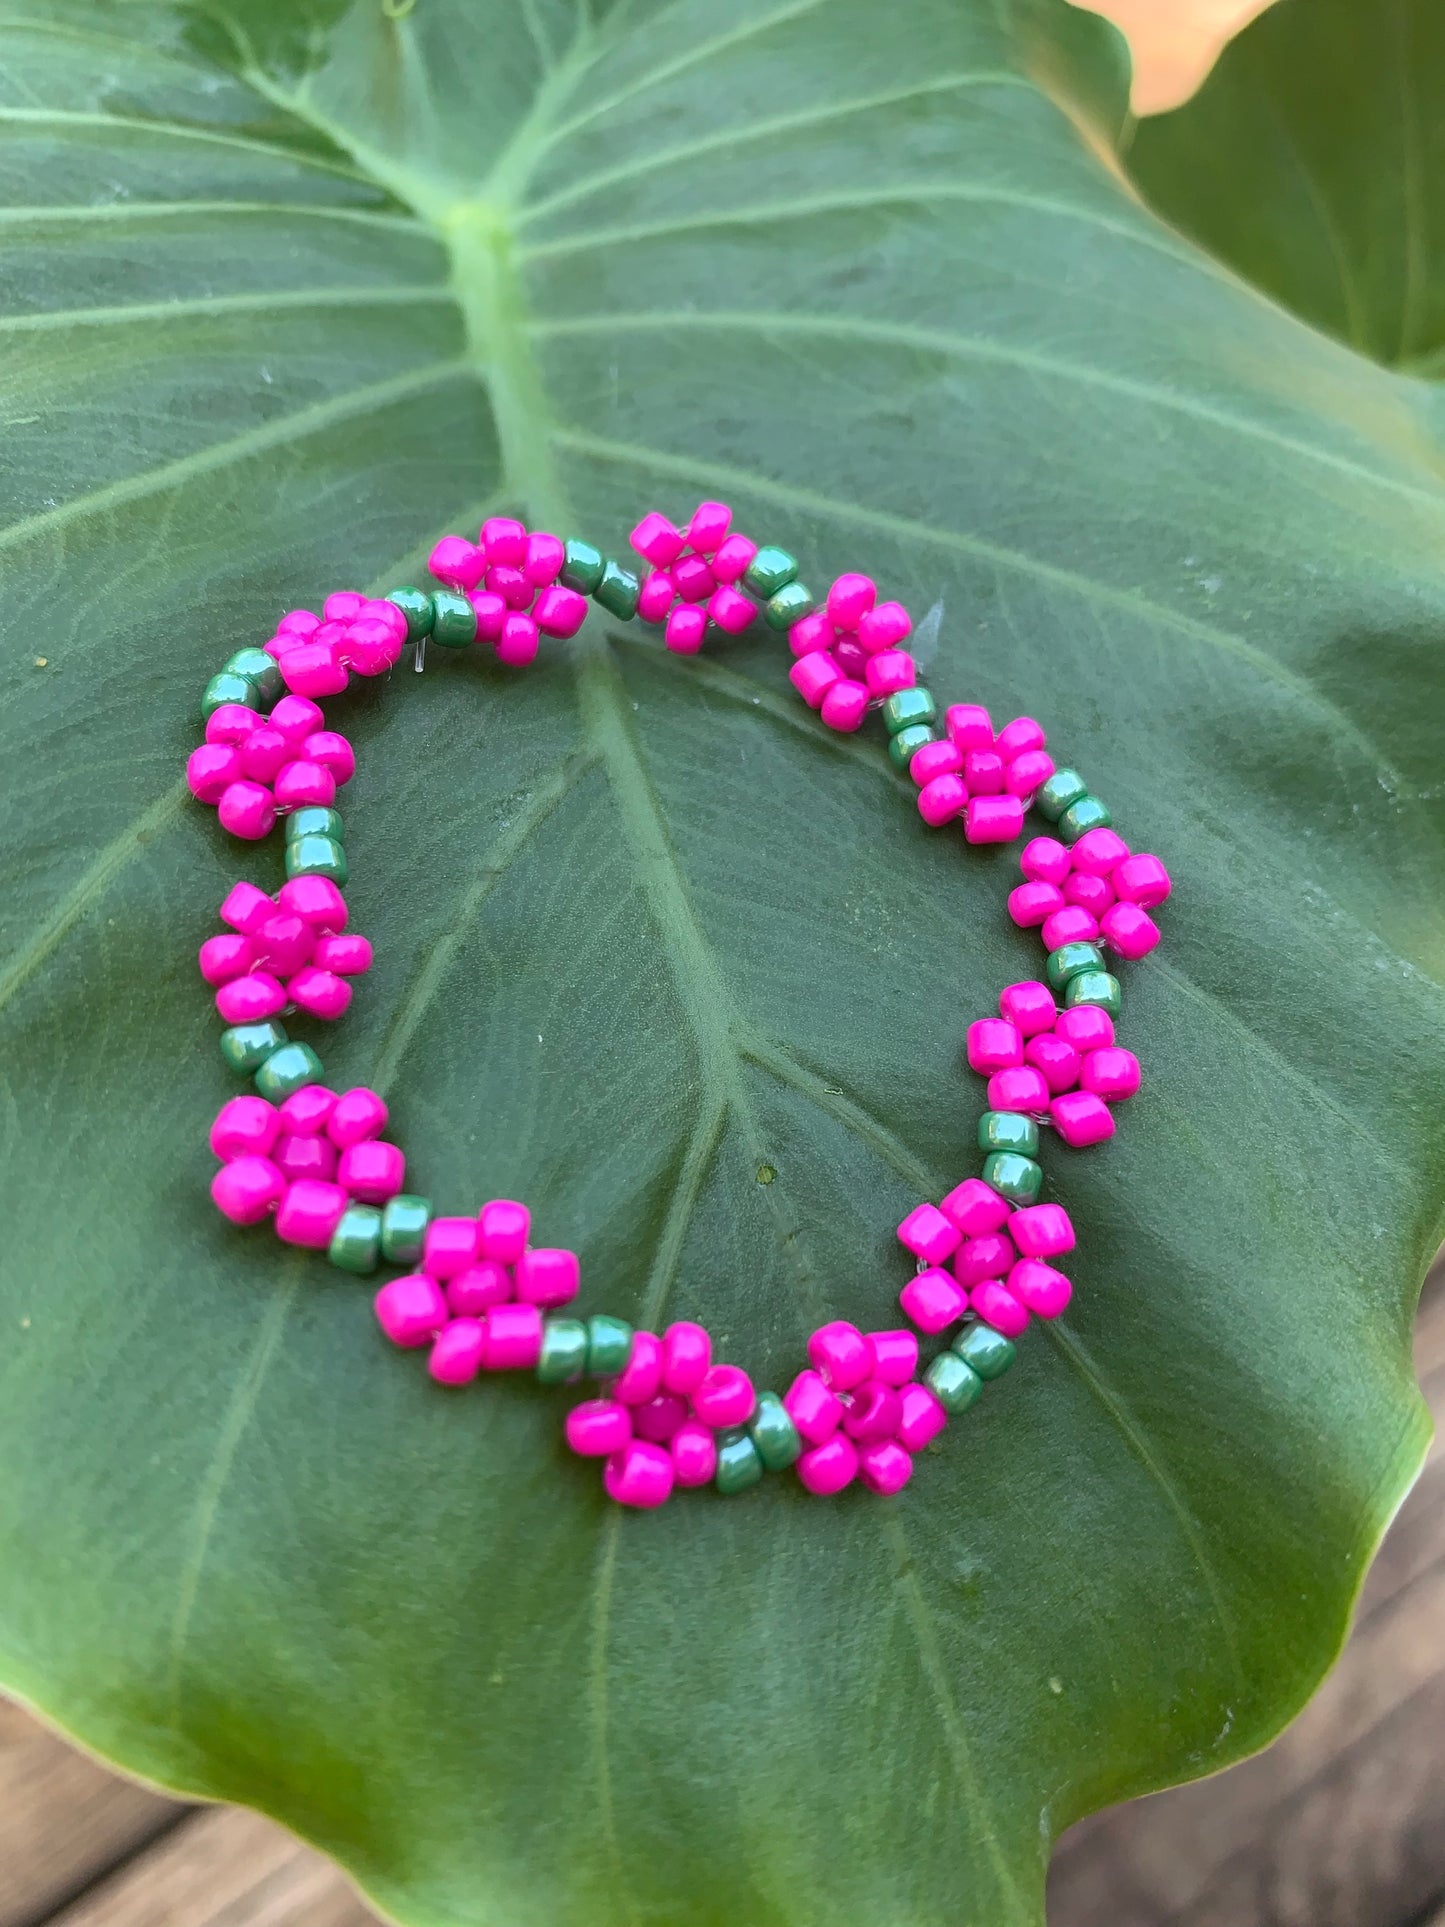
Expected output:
(640, 1475)
(993, 819)
(885, 1467)
(993, 1045)
(1044, 859)
(933, 1300)
(1140, 879)
(693, 1450)
(814, 1408)
(411, 1310)
(725, 1396)
(248, 1188)
(476, 1290)
(245, 1127)
(895, 1356)
(372, 1171)
(547, 1276)
(686, 627)
(503, 1228)
(996, 1305)
(514, 1338)
(686, 1356)
(640, 1380)
(1042, 1231)
(975, 1208)
(929, 1234)
(1111, 1073)
(841, 1354)
(844, 705)
(1056, 1059)
(1130, 930)
(457, 1350)
(1042, 1290)
(310, 1212)
(1029, 1007)
(923, 1418)
(357, 1114)
(828, 1467)
(1081, 1118)
(598, 1426)
(305, 1157)
(883, 627)
(850, 597)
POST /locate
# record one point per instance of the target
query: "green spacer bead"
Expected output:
(1064, 787)
(257, 667)
(1016, 1178)
(416, 606)
(1070, 960)
(582, 566)
(609, 1340)
(1087, 814)
(313, 819)
(953, 1383)
(289, 1069)
(987, 1351)
(791, 603)
(245, 1047)
(564, 1351)
(770, 570)
(403, 1228)
(356, 1241)
(1008, 1131)
(454, 620)
(1094, 987)
(903, 747)
(773, 1433)
(227, 688)
(906, 707)
(739, 1463)
(317, 856)
(617, 591)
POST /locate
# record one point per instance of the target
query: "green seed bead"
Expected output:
(609, 1340)
(1071, 960)
(1094, 987)
(403, 1228)
(906, 707)
(774, 1433)
(582, 567)
(286, 1070)
(317, 856)
(1087, 814)
(257, 667)
(564, 1351)
(454, 620)
(617, 591)
(789, 605)
(227, 688)
(987, 1351)
(739, 1462)
(903, 747)
(313, 819)
(1064, 787)
(416, 606)
(770, 570)
(952, 1382)
(245, 1047)
(1008, 1131)
(356, 1241)
(1016, 1178)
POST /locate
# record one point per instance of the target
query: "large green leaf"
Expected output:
(295, 291)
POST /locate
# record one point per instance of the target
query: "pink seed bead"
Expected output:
(450, 1246)
(514, 1338)
(695, 580)
(504, 540)
(686, 627)
(411, 1310)
(232, 723)
(1029, 1007)
(224, 958)
(1057, 1059)
(813, 676)
(305, 784)
(379, 609)
(686, 1355)
(1069, 924)
(1085, 1026)
(709, 526)
(518, 643)
(1043, 1290)
(298, 622)
(811, 632)
(694, 1454)
(933, 1300)
(662, 1418)
(1111, 1073)
(983, 772)
(874, 1412)
(1042, 1230)
(885, 1467)
(814, 1409)
(849, 600)
(935, 759)
(331, 749)
(305, 1112)
(503, 1228)
(248, 1189)
(994, 1045)
(1081, 1118)
(993, 819)
(370, 646)
(895, 1356)
(250, 999)
(264, 752)
(828, 1467)
(845, 705)
(491, 613)
(975, 1207)
(343, 956)
(841, 1353)
(1027, 774)
(312, 670)
(730, 609)
(511, 585)
(929, 1234)
(942, 799)
(297, 717)
(598, 1426)
(883, 627)
(734, 558)
(372, 1171)
(923, 1417)
(1094, 894)
(357, 1114)
(1138, 879)
(656, 596)
(245, 1127)
(970, 727)
(1032, 904)
(988, 1256)
(657, 541)
(330, 633)
(246, 810)
(725, 1397)
(1021, 1089)
(889, 671)
(315, 900)
(639, 1475)
(478, 1288)
(640, 1379)
(305, 1157)
(547, 1276)
(341, 605)
(559, 611)
(1098, 852)
(1132, 931)
(456, 1353)
(1022, 737)
(211, 770)
(1044, 859)
(996, 1305)
(310, 1212)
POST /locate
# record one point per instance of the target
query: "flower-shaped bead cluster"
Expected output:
(316, 654)
(1093, 891)
(306, 1159)
(849, 654)
(509, 575)
(694, 576)
(290, 949)
(1043, 1062)
(1000, 1253)
(252, 766)
(988, 777)
(860, 1409)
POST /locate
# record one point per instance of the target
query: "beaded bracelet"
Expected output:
(476, 1292)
